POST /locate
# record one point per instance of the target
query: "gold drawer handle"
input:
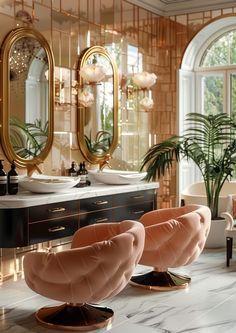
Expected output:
(101, 220)
(55, 229)
(137, 197)
(57, 210)
(139, 212)
(101, 202)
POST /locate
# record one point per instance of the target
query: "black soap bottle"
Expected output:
(82, 182)
(12, 180)
(72, 170)
(3, 180)
(85, 172)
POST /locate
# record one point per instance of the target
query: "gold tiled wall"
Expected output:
(173, 35)
(161, 40)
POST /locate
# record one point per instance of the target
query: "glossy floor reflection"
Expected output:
(208, 306)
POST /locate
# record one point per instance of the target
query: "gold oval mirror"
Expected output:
(97, 104)
(27, 97)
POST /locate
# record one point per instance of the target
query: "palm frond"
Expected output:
(160, 157)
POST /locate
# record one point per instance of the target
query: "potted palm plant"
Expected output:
(209, 141)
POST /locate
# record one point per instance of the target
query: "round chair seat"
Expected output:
(174, 237)
(98, 266)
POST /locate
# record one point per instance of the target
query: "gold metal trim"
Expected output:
(92, 158)
(72, 317)
(7, 44)
(160, 281)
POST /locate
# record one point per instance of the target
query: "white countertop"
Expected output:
(27, 199)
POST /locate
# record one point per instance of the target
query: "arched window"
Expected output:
(216, 75)
(207, 80)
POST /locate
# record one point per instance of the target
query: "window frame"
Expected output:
(187, 82)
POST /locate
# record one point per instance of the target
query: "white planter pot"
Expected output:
(216, 237)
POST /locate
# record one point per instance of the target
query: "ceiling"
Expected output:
(176, 7)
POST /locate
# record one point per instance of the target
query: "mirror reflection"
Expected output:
(28, 72)
(99, 123)
(28, 97)
(97, 98)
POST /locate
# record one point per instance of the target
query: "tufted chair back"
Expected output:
(99, 264)
(174, 237)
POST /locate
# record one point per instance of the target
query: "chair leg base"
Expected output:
(75, 317)
(160, 281)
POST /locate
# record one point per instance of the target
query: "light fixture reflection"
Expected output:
(146, 103)
(86, 98)
(93, 73)
(144, 80)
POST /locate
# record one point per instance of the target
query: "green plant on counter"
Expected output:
(28, 139)
(101, 142)
(210, 142)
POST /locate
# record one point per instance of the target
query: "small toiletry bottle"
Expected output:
(12, 180)
(72, 170)
(82, 182)
(85, 172)
(3, 180)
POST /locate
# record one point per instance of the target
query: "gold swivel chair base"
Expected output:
(160, 281)
(71, 317)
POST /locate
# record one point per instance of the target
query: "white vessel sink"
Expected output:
(47, 184)
(117, 177)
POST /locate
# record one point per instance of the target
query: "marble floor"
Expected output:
(208, 306)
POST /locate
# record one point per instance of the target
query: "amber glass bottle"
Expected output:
(12, 180)
(72, 170)
(3, 180)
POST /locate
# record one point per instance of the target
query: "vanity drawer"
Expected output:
(52, 211)
(52, 229)
(133, 198)
(97, 203)
(102, 216)
(132, 212)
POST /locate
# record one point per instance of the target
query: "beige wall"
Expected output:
(162, 41)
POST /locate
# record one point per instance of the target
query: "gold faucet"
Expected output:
(31, 168)
(105, 162)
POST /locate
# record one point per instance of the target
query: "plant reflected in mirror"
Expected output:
(28, 139)
(100, 144)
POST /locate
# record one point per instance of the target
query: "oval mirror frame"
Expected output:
(88, 155)
(6, 47)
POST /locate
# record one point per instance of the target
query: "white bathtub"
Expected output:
(196, 194)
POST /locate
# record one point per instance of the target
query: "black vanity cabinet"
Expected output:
(131, 206)
(96, 210)
(53, 221)
(26, 226)
(116, 207)
(14, 227)
(45, 222)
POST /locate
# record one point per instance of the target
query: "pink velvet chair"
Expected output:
(174, 237)
(98, 266)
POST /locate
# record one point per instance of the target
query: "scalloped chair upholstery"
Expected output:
(174, 237)
(98, 266)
